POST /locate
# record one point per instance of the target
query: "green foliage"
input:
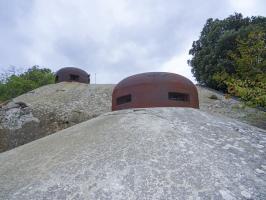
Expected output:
(230, 56)
(250, 55)
(14, 85)
(249, 81)
(210, 54)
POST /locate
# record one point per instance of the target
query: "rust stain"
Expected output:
(155, 89)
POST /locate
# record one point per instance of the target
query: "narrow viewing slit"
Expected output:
(176, 96)
(74, 77)
(123, 99)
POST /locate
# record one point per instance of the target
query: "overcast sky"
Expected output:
(112, 38)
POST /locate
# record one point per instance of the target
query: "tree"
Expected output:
(218, 39)
(249, 80)
(14, 85)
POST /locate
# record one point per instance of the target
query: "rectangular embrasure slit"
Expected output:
(123, 99)
(74, 77)
(176, 96)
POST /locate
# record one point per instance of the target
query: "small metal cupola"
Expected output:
(154, 89)
(72, 74)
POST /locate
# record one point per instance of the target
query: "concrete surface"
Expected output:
(230, 107)
(160, 153)
(49, 109)
(54, 107)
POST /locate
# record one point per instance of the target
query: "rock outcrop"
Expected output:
(160, 153)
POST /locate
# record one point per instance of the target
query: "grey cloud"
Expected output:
(83, 52)
(113, 38)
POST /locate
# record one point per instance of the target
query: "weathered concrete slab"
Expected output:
(162, 153)
(49, 109)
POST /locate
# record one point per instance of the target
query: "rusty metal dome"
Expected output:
(155, 89)
(72, 74)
